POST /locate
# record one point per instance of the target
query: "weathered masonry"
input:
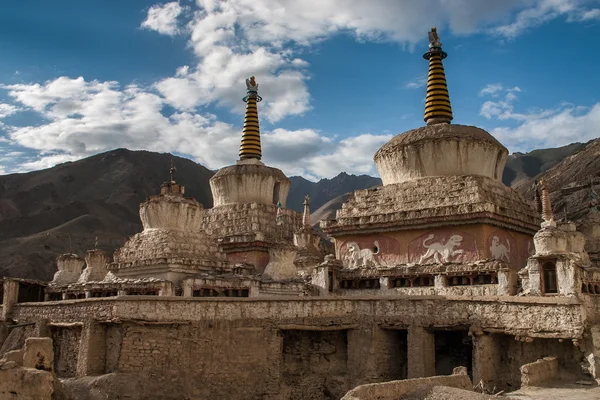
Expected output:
(274, 347)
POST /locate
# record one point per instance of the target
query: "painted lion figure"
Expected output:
(441, 252)
(358, 257)
(499, 250)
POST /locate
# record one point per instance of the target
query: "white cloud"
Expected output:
(234, 39)
(102, 116)
(352, 155)
(7, 109)
(590, 15)
(163, 18)
(535, 129)
(417, 83)
(551, 128)
(542, 11)
(501, 109)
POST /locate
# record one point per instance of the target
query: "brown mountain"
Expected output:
(52, 211)
(324, 190)
(569, 181)
(520, 167)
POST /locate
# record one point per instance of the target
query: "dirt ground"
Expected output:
(563, 391)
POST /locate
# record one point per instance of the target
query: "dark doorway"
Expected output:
(550, 281)
(453, 348)
(394, 361)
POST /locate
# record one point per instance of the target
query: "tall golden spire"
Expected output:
(250, 146)
(437, 101)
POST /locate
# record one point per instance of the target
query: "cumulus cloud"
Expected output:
(163, 18)
(555, 127)
(7, 109)
(233, 39)
(352, 155)
(501, 109)
(417, 83)
(551, 128)
(101, 116)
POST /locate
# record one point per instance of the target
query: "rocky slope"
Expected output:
(569, 181)
(48, 212)
(324, 190)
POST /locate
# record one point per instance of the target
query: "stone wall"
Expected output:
(255, 348)
(539, 372)
(535, 317)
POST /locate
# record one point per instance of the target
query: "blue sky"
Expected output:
(339, 77)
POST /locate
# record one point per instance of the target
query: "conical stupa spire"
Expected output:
(547, 214)
(250, 146)
(306, 215)
(437, 101)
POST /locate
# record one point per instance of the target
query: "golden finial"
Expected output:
(250, 146)
(306, 214)
(437, 100)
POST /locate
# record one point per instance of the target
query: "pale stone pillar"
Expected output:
(166, 289)
(384, 284)
(11, 295)
(439, 282)
(320, 279)
(486, 359)
(535, 281)
(92, 352)
(591, 349)
(421, 352)
(187, 285)
(567, 277)
(254, 289)
(506, 283)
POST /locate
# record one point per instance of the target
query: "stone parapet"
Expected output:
(433, 202)
(520, 316)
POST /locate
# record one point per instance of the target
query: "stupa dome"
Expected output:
(441, 149)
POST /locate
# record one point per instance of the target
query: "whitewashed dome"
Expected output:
(440, 150)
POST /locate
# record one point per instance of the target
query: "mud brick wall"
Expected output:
(205, 359)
